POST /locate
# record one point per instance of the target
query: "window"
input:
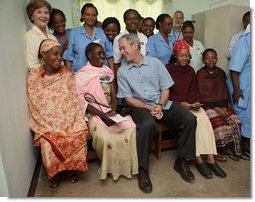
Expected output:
(116, 8)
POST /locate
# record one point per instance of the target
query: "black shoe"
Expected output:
(215, 168)
(144, 181)
(204, 170)
(181, 166)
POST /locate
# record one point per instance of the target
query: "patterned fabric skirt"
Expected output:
(60, 153)
(226, 130)
(116, 150)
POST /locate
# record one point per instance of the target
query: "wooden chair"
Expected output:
(159, 143)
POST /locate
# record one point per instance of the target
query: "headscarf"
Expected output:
(47, 45)
(180, 44)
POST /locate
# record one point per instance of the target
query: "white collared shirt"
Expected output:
(196, 53)
(117, 56)
(33, 38)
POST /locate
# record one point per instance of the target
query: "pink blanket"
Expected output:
(87, 80)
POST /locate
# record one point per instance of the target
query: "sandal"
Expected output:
(220, 158)
(234, 157)
(72, 177)
(54, 182)
(244, 156)
(231, 154)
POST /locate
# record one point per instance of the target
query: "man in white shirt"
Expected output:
(131, 19)
(178, 19)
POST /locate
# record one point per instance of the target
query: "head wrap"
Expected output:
(180, 44)
(48, 44)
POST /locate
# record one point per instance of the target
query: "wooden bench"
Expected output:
(157, 146)
(160, 143)
(91, 154)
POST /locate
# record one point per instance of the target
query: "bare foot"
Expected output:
(220, 157)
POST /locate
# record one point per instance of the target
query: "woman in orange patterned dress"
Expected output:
(56, 117)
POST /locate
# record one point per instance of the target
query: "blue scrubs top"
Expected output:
(67, 36)
(158, 48)
(78, 41)
(241, 62)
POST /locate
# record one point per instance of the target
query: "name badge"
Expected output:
(98, 41)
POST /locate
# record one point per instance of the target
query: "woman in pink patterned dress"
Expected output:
(56, 117)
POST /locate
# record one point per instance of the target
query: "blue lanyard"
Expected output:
(178, 35)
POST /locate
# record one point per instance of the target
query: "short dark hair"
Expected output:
(160, 19)
(208, 50)
(52, 15)
(130, 10)
(245, 15)
(111, 20)
(148, 18)
(188, 23)
(91, 47)
(87, 5)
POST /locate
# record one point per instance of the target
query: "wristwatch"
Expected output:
(160, 105)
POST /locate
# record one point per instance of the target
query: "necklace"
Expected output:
(210, 72)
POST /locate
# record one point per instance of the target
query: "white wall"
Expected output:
(18, 154)
(189, 7)
(227, 19)
(3, 183)
(220, 3)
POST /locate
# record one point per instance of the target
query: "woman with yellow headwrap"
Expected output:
(56, 117)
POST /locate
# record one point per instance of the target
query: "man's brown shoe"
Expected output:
(181, 166)
(144, 181)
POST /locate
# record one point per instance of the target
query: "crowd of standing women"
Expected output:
(72, 89)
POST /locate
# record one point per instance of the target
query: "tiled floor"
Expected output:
(166, 182)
